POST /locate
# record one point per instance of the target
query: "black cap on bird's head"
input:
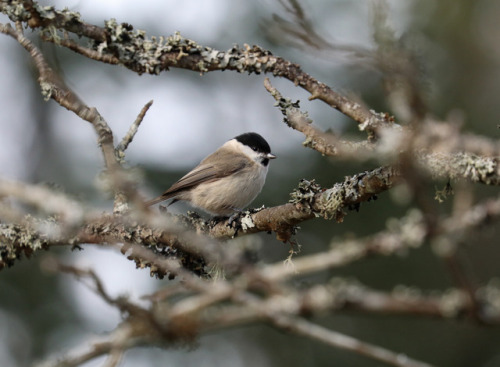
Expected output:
(254, 141)
(258, 144)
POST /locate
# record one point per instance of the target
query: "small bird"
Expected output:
(227, 180)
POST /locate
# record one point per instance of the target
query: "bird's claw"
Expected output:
(234, 222)
(216, 220)
(233, 218)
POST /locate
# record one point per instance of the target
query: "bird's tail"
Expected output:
(155, 200)
(159, 199)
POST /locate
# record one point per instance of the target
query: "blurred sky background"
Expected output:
(457, 45)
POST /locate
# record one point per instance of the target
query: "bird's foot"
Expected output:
(216, 220)
(234, 222)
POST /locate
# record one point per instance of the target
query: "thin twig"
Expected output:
(323, 142)
(114, 358)
(47, 200)
(302, 327)
(87, 52)
(113, 345)
(127, 139)
(54, 87)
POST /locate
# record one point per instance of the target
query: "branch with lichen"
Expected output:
(54, 88)
(185, 246)
(171, 238)
(203, 307)
(435, 150)
(307, 202)
(121, 44)
(140, 54)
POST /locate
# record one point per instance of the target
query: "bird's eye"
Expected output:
(254, 148)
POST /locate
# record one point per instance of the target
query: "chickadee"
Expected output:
(227, 180)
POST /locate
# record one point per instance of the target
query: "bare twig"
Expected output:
(300, 32)
(325, 143)
(127, 139)
(113, 345)
(114, 358)
(305, 328)
(87, 52)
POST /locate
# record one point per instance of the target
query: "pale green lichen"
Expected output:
(375, 120)
(250, 59)
(47, 12)
(46, 89)
(142, 54)
(16, 240)
(288, 109)
(305, 193)
(246, 221)
(245, 218)
(50, 32)
(442, 195)
(16, 11)
(349, 194)
(461, 166)
(331, 203)
(145, 55)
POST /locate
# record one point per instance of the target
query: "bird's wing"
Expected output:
(201, 173)
(205, 172)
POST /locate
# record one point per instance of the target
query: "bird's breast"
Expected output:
(228, 194)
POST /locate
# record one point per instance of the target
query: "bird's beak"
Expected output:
(270, 156)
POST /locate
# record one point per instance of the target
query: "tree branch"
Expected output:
(135, 51)
(329, 337)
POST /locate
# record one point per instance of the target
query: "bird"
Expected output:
(226, 181)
